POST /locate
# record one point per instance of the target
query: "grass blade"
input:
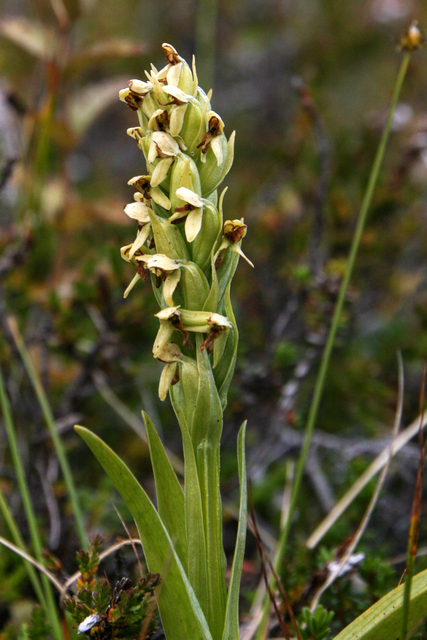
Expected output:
(231, 624)
(50, 422)
(48, 600)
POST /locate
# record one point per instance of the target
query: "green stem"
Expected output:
(48, 600)
(50, 422)
(17, 538)
(320, 381)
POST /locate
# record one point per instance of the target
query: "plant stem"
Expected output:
(320, 381)
(17, 538)
(47, 601)
(50, 422)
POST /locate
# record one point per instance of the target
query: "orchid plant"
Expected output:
(190, 254)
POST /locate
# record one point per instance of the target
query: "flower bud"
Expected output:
(143, 184)
(194, 286)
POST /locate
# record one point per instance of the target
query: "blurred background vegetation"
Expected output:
(306, 84)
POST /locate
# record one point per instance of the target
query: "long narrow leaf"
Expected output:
(231, 625)
(206, 435)
(196, 541)
(170, 496)
(383, 619)
(180, 610)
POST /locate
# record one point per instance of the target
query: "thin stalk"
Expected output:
(48, 600)
(414, 526)
(320, 381)
(50, 422)
(19, 542)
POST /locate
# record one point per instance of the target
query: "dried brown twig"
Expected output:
(264, 557)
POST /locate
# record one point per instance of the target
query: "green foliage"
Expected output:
(101, 611)
(39, 628)
(315, 626)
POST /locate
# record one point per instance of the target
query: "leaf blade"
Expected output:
(381, 620)
(180, 611)
(170, 496)
(231, 625)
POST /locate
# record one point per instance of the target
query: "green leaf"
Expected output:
(231, 626)
(170, 496)
(206, 435)
(381, 621)
(180, 610)
(197, 570)
(224, 371)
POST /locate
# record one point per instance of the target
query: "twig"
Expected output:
(141, 573)
(379, 462)
(263, 554)
(415, 517)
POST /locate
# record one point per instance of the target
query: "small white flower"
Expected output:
(179, 96)
(139, 87)
(192, 211)
(189, 196)
(162, 146)
(138, 211)
(145, 188)
(136, 133)
(166, 269)
(233, 232)
(171, 356)
(159, 120)
(214, 138)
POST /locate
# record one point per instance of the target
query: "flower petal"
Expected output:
(176, 93)
(173, 74)
(167, 145)
(160, 198)
(166, 377)
(169, 286)
(216, 146)
(176, 119)
(162, 262)
(138, 211)
(193, 223)
(139, 240)
(161, 171)
(189, 196)
(133, 282)
(140, 87)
